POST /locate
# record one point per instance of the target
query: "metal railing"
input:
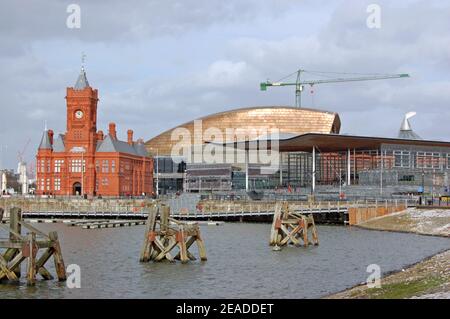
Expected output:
(187, 205)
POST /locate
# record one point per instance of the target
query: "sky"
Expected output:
(158, 64)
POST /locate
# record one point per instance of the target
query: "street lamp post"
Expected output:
(432, 187)
(157, 171)
(82, 173)
(381, 173)
(423, 187)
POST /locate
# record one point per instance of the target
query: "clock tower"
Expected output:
(81, 137)
(81, 116)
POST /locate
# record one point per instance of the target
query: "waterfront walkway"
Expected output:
(324, 212)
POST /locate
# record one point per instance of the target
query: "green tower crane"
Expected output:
(299, 85)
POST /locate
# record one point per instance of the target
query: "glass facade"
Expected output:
(390, 165)
(167, 165)
(168, 174)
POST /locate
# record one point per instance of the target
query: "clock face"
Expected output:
(79, 114)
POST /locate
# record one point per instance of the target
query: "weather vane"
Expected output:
(83, 59)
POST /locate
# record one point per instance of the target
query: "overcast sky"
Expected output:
(161, 63)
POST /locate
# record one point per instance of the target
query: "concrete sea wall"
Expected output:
(358, 215)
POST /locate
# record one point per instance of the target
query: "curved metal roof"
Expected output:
(248, 121)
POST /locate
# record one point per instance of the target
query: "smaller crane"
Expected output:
(20, 154)
(22, 169)
(299, 85)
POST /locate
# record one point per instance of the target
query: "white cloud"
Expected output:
(223, 74)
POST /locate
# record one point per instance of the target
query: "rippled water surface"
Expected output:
(240, 263)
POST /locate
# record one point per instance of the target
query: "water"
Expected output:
(240, 264)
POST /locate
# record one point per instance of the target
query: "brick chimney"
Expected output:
(100, 136)
(130, 137)
(50, 136)
(112, 130)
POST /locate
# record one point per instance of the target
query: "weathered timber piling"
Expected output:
(19, 248)
(290, 227)
(166, 234)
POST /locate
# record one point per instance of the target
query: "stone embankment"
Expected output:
(434, 222)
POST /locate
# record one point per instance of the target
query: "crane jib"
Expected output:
(264, 85)
(299, 84)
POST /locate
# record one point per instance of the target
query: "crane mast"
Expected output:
(299, 84)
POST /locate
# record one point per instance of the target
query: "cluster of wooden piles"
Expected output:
(18, 248)
(290, 227)
(164, 235)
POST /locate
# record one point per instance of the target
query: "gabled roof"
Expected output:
(140, 148)
(45, 142)
(58, 145)
(82, 81)
(109, 145)
(106, 146)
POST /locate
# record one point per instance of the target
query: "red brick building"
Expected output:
(84, 160)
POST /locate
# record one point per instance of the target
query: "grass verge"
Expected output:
(405, 289)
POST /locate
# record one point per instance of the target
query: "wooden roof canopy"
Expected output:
(333, 143)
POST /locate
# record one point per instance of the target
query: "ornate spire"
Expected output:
(82, 81)
(45, 141)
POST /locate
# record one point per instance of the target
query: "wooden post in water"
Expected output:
(30, 250)
(200, 244)
(290, 227)
(57, 256)
(163, 236)
(315, 236)
(149, 235)
(276, 224)
(15, 216)
(164, 217)
(181, 239)
(304, 225)
(20, 248)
